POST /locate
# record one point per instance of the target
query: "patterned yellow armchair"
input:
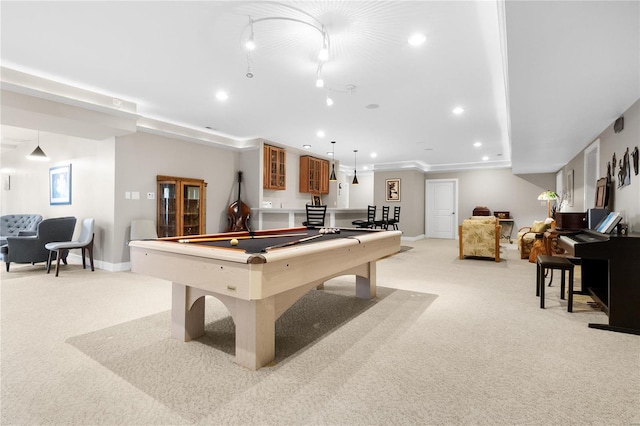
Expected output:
(480, 237)
(527, 235)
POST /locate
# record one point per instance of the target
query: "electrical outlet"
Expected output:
(151, 195)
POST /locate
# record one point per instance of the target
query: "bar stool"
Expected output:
(543, 263)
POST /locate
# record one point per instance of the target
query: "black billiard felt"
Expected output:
(258, 245)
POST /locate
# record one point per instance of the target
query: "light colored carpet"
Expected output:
(447, 341)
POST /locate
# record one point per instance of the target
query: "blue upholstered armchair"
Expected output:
(13, 225)
(30, 249)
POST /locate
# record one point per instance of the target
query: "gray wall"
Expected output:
(140, 157)
(499, 189)
(92, 177)
(412, 186)
(626, 199)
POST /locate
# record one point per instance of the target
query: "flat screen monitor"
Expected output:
(607, 224)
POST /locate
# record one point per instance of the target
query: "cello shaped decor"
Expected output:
(238, 213)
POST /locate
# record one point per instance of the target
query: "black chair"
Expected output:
(315, 216)
(396, 218)
(383, 223)
(371, 219)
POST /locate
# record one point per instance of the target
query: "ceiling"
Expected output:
(538, 81)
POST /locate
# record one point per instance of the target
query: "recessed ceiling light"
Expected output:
(329, 101)
(417, 39)
(458, 110)
(365, 168)
(330, 153)
(222, 95)
(306, 146)
(320, 134)
(485, 158)
(477, 144)
(374, 155)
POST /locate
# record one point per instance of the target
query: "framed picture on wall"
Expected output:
(392, 188)
(60, 185)
(316, 200)
(570, 188)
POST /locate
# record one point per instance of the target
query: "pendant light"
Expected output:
(355, 178)
(332, 177)
(38, 154)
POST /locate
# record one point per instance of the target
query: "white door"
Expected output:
(441, 208)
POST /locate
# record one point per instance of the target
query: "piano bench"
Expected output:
(544, 263)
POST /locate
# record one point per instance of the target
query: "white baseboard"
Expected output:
(416, 238)
(99, 264)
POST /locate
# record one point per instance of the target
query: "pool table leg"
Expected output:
(366, 281)
(187, 312)
(255, 322)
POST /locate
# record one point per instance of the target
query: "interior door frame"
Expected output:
(591, 176)
(428, 206)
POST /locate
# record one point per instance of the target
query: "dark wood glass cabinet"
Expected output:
(314, 175)
(181, 206)
(274, 168)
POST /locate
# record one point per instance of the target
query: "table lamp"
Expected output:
(548, 196)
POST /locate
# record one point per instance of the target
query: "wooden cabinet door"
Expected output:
(274, 174)
(167, 222)
(314, 175)
(181, 206)
(324, 177)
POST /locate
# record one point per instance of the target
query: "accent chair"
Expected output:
(84, 242)
(13, 225)
(31, 249)
(527, 236)
(480, 237)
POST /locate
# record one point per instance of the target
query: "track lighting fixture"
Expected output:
(319, 80)
(323, 55)
(355, 177)
(250, 43)
(38, 154)
(332, 177)
(306, 19)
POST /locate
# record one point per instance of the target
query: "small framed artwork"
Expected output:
(570, 188)
(392, 187)
(60, 185)
(316, 200)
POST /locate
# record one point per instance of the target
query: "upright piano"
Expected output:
(610, 274)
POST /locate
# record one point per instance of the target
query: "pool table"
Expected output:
(259, 278)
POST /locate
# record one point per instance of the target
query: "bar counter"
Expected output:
(272, 218)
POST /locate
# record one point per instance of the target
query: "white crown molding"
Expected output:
(189, 134)
(27, 84)
(422, 167)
